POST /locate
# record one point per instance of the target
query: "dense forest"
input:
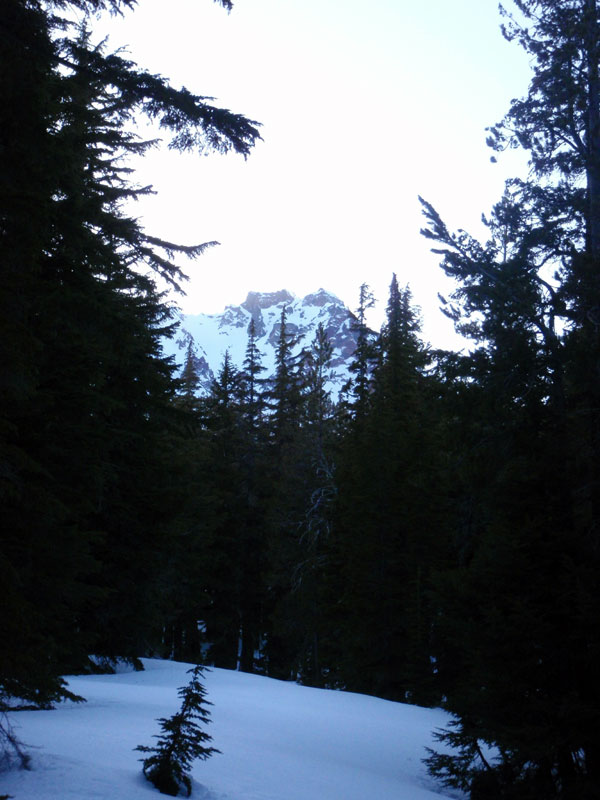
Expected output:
(431, 537)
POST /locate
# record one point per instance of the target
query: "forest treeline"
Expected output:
(431, 537)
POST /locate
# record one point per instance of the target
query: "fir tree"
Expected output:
(189, 376)
(301, 546)
(387, 521)
(90, 497)
(251, 382)
(312, 572)
(284, 397)
(364, 355)
(254, 492)
(181, 742)
(512, 609)
(285, 477)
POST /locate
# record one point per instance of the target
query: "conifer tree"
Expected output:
(222, 480)
(303, 610)
(512, 609)
(251, 382)
(387, 521)
(364, 354)
(89, 495)
(316, 363)
(189, 376)
(284, 396)
(283, 477)
(181, 742)
(254, 465)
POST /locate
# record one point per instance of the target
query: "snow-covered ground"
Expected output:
(279, 741)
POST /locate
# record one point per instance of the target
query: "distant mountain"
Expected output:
(212, 334)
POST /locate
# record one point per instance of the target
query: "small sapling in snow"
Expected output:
(181, 740)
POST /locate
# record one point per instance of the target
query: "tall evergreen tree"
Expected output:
(285, 393)
(230, 579)
(520, 604)
(252, 384)
(252, 544)
(222, 551)
(89, 494)
(364, 355)
(303, 611)
(283, 477)
(189, 376)
(387, 519)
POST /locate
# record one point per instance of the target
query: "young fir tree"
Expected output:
(181, 742)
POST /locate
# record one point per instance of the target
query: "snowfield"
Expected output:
(279, 741)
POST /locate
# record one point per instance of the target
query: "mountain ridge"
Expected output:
(210, 335)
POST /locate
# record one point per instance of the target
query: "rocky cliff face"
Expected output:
(212, 334)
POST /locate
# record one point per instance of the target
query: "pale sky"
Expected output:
(364, 105)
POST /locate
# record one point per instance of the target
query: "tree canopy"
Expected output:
(90, 502)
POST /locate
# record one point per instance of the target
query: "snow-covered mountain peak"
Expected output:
(321, 298)
(210, 335)
(259, 300)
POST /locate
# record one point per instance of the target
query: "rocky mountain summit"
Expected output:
(211, 335)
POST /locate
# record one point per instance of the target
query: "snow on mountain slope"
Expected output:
(212, 334)
(279, 741)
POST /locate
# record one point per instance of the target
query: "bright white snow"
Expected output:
(212, 334)
(279, 741)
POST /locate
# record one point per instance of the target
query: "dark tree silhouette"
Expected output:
(181, 742)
